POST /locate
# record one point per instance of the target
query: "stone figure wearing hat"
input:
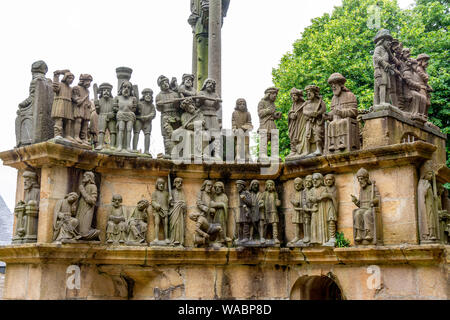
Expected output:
(267, 115)
(416, 90)
(421, 70)
(126, 104)
(168, 103)
(368, 202)
(104, 106)
(33, 123)
(186, 89)
(241, 124)
(382, 66)
(313, 109)
(343, 106)
(145, 113)
(296, 121)
(82, 109)
(62, 110)
(26, 210)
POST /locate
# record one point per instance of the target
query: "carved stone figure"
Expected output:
(168, 102)
(33, 120)
(178, 209)
(145, 114)
(86, 207)
(308, 208)
(104, 105)
(366, 219)
(117, 226)
(137, 224)
(319, 226)
(444, 214)
(205, 232)
(62, 110)
(422, 60)
(81, 109)
(342, 130)
(267, 115)
(417, 91)
(313, 109)
(241, 124)
(93, 126)
(297, 202)
(209, 103)
(330, 198)
(257, 212)
(204, 199)
(428, 204)
(271, 205)
(26, 210)
(160, 205)
(186, 89)
(126, 104)
(64, 222)
(296, 122)
(243, 218)
(382, 66)
(220, 203)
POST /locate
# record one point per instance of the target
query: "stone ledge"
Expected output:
(147, 256)
(392, 114)
(54, 154)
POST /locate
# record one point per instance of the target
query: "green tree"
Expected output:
(343, 42)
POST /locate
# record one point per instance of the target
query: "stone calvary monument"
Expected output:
(203, 220)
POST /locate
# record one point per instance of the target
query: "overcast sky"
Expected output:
(153, 38)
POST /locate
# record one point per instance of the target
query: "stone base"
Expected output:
(69, 143)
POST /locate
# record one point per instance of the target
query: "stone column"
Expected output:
(194, 59)
(123, 74)
(215, 43)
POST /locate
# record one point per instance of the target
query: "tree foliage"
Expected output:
(343, 42)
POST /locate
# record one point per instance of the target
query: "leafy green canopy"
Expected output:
(343, 42)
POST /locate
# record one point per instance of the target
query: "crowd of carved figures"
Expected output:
(314, 204)
(108, 123)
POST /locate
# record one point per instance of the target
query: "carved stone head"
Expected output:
(270, 186)
(240, 185)
(143, 204)
(297, 95)
(105, 90)
(219, 187)
(329, 180)
(309, 182)
(116, 200)
(178, 183)
(298, 184)
(241, 105)
(147, 95)
(363, 177)
(254, 186)
(160, 184)
(209, 85)
(126, 89)
(207, 186)
(317, 179)
(29, 180)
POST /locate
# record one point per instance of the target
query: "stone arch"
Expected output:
(316, 288)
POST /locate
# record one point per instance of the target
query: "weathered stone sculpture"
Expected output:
(319, 227)
(417, 92)
(137, 224)
(296, 122)
(428, 205)
(271, 205)
(26, 210)
(33, 122)
(62, 110)
(313, 109)
(444, 214)
(330, 198)
(308, 208)
(367, 219)
(257, 212)
(160, 205)
(167, 102)
(104, 105)
(220, 203)
(382, 66)
(186, 89)
(81, 109)
(267, 115)
(343, 129)
(117, 226)
(204, 199)
(126, 104)
(425, 88)
(145, 114)
(93, 126)
(86, 207)
(241, 124)
(205, 233)
(243, 218)
(178, 209)
(297, 201)
(64, 222)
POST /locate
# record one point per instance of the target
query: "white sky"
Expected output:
(153, 38)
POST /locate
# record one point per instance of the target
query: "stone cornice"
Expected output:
(56, 154)
(148, 256)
